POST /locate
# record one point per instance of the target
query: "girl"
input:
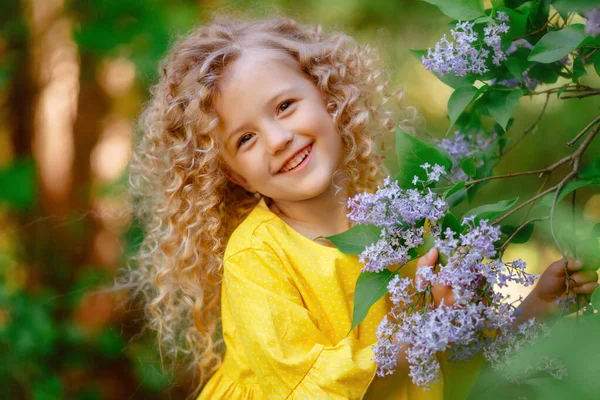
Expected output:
(257, 134)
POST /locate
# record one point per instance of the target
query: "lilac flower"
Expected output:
(493, 40)
(592, 27)
(500, 353)
(465, 54)
(502, 16)
(464, 146)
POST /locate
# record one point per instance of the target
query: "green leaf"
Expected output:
(459, 100)
(596, 299)
(412, 153)
(370, 287)
(578, 69)
(555, 45)
(17, 184)
(456, 194)
(596, 60)
(428, 243)
(464, 10)
(501, 104)
(578, 6)
(468, 166)
(490, 211)
(517, 63)
(522, 236)
(548, 199)
(355, 239)
(517, 22)
(591, 171)
(452, 222)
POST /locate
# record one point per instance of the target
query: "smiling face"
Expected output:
(276, 135)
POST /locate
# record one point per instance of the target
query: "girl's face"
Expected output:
(276, 135)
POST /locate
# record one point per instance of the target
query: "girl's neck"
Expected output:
(320, 216)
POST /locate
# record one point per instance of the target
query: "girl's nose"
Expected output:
(277, 137)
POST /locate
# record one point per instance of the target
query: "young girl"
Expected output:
(257, 134)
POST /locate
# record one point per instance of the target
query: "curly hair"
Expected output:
(183, 198)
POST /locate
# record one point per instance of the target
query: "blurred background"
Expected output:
(74, 76)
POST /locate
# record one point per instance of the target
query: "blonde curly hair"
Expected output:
(183, 198)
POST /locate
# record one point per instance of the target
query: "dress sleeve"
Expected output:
(290, 356)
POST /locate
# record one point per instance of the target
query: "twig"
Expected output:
(530, 128)
(581, 95)
(521, 227)
(538, 192)
(559, 187)
(575, 157)
(517, 208)
(583, 131)
(565, 88)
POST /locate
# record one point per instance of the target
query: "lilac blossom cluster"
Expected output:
(465, 54)
(592, 27)
(500, 353)
(400, 213)
(473, 270)
(463, 146)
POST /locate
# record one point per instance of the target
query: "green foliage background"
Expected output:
(59, 337)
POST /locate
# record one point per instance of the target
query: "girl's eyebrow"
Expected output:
(270, 101)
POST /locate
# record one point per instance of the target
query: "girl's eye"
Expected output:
(284, 106)
(244, 139)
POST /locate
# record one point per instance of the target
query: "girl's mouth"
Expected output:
(298, 161)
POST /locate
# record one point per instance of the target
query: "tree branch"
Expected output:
(523, 225)
(530, 128)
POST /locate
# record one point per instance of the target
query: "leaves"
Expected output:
(468, 166)
(501, 104)
(456, 194)
(412, 153)
(460, 9)
(522, 236)
(591, 171)
(579, 6)
(517, 63)
(548, 199)
(490, 211)
(555, 45)
(370, 287)
(459, 100)
(355, 239)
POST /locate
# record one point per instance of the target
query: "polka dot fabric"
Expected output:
(287, 309)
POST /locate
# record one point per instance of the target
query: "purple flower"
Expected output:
(464, 146)
(592, 27)
(465, 54)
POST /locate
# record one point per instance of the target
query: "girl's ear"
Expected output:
(239, 180)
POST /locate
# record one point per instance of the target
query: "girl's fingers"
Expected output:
(558, 266)
(582, 277)
(428, 259)
(586, 288)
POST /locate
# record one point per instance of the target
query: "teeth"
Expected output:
(293, 163)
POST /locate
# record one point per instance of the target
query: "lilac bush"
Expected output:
(473, 270)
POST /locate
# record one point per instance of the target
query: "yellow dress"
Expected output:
(287, 307)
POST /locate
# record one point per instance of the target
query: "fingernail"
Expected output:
(431, 251)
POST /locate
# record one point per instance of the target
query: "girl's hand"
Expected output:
(551, 287)
(439, 291)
